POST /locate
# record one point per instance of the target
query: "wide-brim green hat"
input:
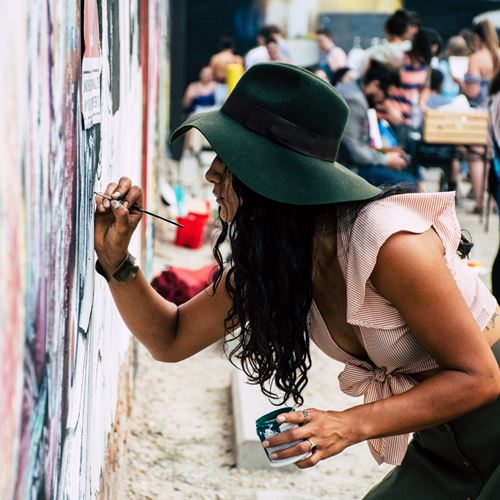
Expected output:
(279, 132)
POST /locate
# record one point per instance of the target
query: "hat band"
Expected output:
(279, 129)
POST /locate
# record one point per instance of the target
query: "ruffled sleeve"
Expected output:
(375, 223)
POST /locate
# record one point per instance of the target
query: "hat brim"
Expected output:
(275, 171)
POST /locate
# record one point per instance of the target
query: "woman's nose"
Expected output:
(211, 175)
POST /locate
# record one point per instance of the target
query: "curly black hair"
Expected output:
(269, 279)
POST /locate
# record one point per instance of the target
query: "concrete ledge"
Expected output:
(248, 405)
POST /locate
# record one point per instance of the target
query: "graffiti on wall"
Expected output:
(63, 346)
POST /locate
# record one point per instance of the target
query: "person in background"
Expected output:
(277, 34)
(315, 70)
(456, 46)
(494, 176)
(201, 93)
(273, 50)
(259, 53)
(407, 99)
(436, 99)
(483, 64)
(220, 61)
(199, 96)
(436, 42)
(468, 36)
(331, 57)
(376, 167)
(392, 52)
(344, 75)
(414, 24)
(415, 72)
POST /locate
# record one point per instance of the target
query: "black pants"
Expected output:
(455, 461)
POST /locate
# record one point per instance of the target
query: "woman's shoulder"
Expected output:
(405, 207)
(411, 212)
(482, 60)
(360, 243)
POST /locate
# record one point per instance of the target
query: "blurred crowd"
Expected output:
(389, 87)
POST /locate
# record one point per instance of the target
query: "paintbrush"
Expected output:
(140, 209)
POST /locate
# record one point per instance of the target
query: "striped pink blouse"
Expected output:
(395, 353)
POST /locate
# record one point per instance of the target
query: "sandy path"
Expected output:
(181, 437)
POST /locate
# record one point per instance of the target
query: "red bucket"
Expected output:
(191, 235)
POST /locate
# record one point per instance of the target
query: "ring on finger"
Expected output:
(312, 448)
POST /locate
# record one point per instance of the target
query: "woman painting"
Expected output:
(317, 253)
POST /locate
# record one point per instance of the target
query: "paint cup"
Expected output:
(266, 427)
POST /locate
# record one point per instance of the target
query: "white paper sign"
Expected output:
(375, 138)
(458, 66)
(91, 91)
(91, 66)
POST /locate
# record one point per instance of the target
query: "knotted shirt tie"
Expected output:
(361, 378)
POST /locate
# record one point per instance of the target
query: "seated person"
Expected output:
(439, 100)
(200, 94)
(436, 99)
(331, 57)
(377, 167)
(273, 50)
(220, 61)
(392, 50)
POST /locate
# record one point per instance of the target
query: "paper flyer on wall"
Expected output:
(91, 67)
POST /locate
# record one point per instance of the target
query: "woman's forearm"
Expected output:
(470, 89)
(148, 316)
(439, 399)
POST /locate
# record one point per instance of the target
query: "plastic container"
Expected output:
(191, 235)
(266, 427)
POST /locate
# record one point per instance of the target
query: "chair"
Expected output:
(444, 131)
(456, 127)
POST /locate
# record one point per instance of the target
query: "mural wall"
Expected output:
(66, 367)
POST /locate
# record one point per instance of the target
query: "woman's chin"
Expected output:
(224, 216)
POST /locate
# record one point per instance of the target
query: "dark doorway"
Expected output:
(448, 17)
(196, 29)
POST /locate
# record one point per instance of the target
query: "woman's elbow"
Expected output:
(487, 387)
(166, 356)
(494, 387)
(471, 91)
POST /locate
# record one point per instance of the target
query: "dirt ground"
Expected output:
(181, 443)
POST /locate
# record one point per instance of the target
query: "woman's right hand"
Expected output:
(115, 224)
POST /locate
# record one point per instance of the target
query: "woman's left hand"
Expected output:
(329, 431)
